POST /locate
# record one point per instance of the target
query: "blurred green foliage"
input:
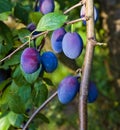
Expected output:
(21, 94)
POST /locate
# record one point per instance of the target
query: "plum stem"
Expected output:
(39, 109)
(87, 65)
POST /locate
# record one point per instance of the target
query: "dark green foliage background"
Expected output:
(21, 94)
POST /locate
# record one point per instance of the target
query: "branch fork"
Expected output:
(96, 43)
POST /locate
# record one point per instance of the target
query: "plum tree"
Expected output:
(56, 39)
(92, 92)
(49, 61)
(30, 60)
(83, 13)
(72, 45)
(68, 89)
(46, 6)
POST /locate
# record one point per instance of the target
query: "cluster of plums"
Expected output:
(69, 87)
(70, 43)
(31, 61)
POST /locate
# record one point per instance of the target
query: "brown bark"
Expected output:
(111, 24)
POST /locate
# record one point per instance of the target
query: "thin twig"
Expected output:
(7, 57)
(39, 109)
(75, 21)
(73, 7)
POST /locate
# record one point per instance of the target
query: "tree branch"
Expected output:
(86, 67)
(73, 7)
(39, 109)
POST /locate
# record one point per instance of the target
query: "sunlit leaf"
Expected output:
(31, 78)
(15, 119)
(4, 123)
(51, 21)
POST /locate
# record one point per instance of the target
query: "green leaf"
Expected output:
(22, 12)
(16, 104)
(4, 83)
(6, 39)
(51, 21)
(41, 93)
(5, 5)
(4, 123)
(6, 33)
(25, 93)
(38, 40)
(43, 117)
(31, 78)
(15, 59)
(15, 119)
(22, 33)
(18, 76)
(35, 17)
(48, 81)
(4, 15)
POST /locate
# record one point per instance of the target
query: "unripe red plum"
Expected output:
(56, 39)
(46, 6)
(72, 45)
(30, 60)
(68, 89)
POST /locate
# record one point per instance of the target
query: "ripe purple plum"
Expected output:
(72, 45)
(56, 39)
(31, 27)
(49, 61)
(30, 60)
(68, 89)
(92, 92)
(83, 13)
(46, 6)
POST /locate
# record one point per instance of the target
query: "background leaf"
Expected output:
(41, 93)
(16, 104)
(35, 17)
(22, 12)
(5, 5)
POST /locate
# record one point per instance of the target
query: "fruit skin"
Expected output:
(49, 61)
(46, 6)
(92, 92)
(31, 27)
(72, 45)
(82, 14)
(4, 74)
(56, 39)
(30, 60)
(68, 89)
